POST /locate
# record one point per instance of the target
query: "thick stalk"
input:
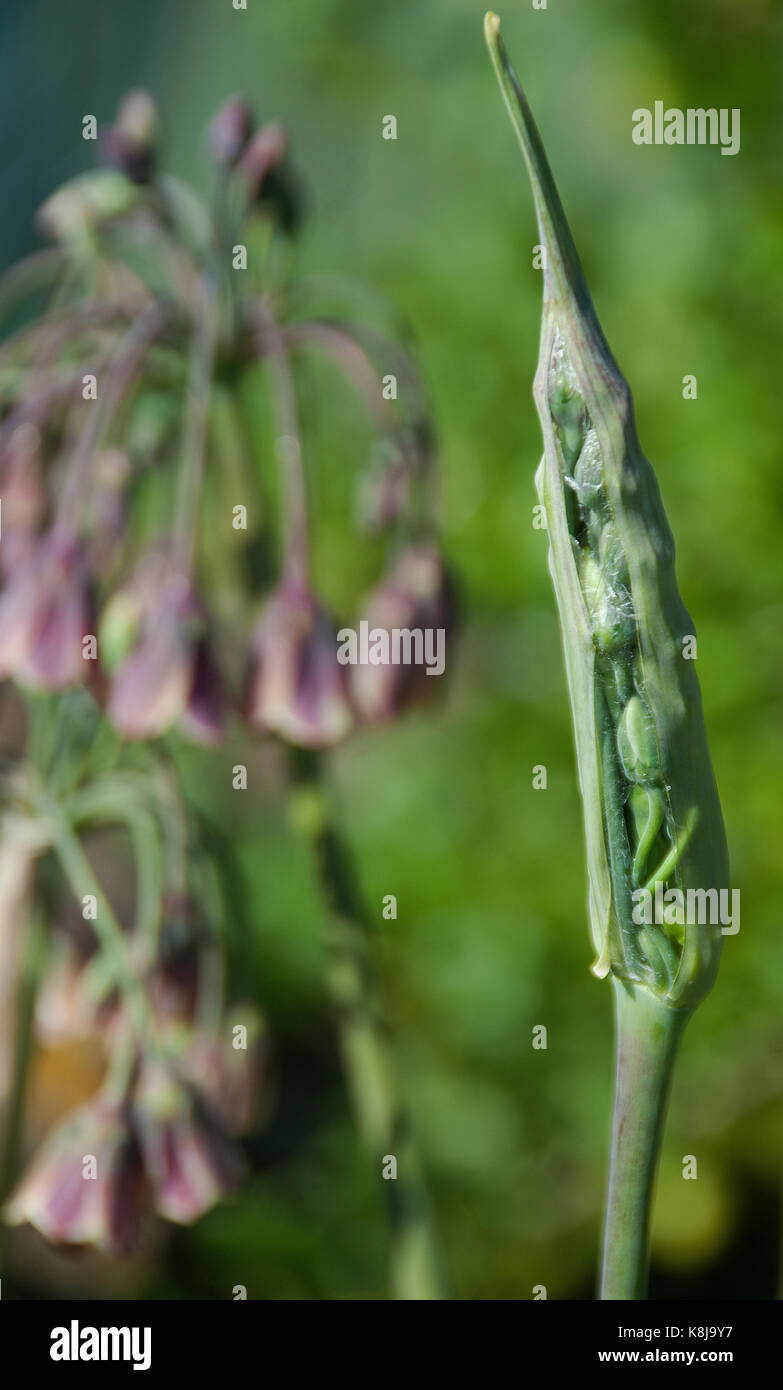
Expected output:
(21, 841)
(119, 378)
(14, 1112)
(647, 1037)
(111, 937)
(194, 441)
(270, 341)
(365, 1045)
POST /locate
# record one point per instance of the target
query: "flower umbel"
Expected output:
(152, 590)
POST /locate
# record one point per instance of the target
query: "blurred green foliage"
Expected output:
(683, 250)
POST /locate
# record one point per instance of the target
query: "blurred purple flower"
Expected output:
(23, 495)
(227, 1076)
(168, 674)
(130, 143)
(190, 1162)
(296, 686)
(415, 594)
(230, 130)
(45, 616)
(384, 490)
(86, 1186)
(261, 155)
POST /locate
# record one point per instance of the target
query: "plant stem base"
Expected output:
(647, 1037)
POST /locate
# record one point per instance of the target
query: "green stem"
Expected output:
(194, 442)
(647, 1037)
(79, 872)
(119, 378)
(365, 1044)
(36, 272)
(25, 1012)
(270, 341)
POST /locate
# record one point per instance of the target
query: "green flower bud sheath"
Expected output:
(651, 811)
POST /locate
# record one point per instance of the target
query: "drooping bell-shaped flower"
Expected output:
(167, 673)
(23, 496)
(296, 686)
(265, 171)
(45, 617)
(228, 1068)
(413, 598)
(86, 1185)
(190, 1162)
(202, 717)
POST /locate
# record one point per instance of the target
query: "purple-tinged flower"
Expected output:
(23, 495)
(414, 597)
(129, 145)
(261, 155)
(230, 130)
(86, 1185)
(384, 492)
(190, 1162)
(228, 1070)
(44, 618)
(203, 716)
(296, 686)
(168, 673)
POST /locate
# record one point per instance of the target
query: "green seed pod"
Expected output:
(568, 411)
(589, 476)
(609, 606)
(637, 744)
(611, 556)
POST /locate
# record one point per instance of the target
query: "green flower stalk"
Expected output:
(651, 810)
(415, 1263)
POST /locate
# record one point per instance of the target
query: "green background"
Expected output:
(682, 248)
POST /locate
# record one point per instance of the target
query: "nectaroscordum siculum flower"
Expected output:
(125, 445)
(160, 1133)
(86, 1186)
(651, 810)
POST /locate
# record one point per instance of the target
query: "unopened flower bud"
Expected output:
(296, 686)
(262, 154)
(230, 130)
(130, 144)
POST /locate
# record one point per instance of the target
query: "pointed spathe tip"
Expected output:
(562, 272)
(492, 37)
(491, 26)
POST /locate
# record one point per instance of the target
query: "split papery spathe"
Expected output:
(648, 792)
